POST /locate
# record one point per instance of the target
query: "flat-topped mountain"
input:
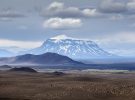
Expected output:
(73, 48)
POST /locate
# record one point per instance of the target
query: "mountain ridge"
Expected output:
(45, 59)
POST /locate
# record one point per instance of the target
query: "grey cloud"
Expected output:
(58, 9)
(112, 6)
(116, 6)
(112, 9)
(8, 15)
(131, 6)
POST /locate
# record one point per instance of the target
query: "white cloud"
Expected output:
(21, 44)
(118, 43)
(59, 23)
(56, 5)
(123, 52)
(125, 37)
(122, 37)
(58, 9)
(90, 12)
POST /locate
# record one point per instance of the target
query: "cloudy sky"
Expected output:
(110, 23)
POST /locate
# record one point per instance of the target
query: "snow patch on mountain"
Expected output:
(59, 37)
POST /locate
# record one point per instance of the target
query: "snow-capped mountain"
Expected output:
(74, 48)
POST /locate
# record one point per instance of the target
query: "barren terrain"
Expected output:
(47, 86)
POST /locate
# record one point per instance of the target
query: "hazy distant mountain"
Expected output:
(73, 48)
(5, 53)
(11, 51)
(14, 49)
(45, 59)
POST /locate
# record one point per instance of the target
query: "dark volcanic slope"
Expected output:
(23, 69)
(47, 59)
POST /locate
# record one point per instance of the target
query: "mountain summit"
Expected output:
(71, 47)
(61, 37)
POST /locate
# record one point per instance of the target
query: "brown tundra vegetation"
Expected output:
(45, 86)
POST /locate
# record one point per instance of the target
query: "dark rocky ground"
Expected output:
(55, 86)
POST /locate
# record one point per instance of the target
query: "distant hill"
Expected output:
(23, 69)
(51, 59)
(5, 66)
